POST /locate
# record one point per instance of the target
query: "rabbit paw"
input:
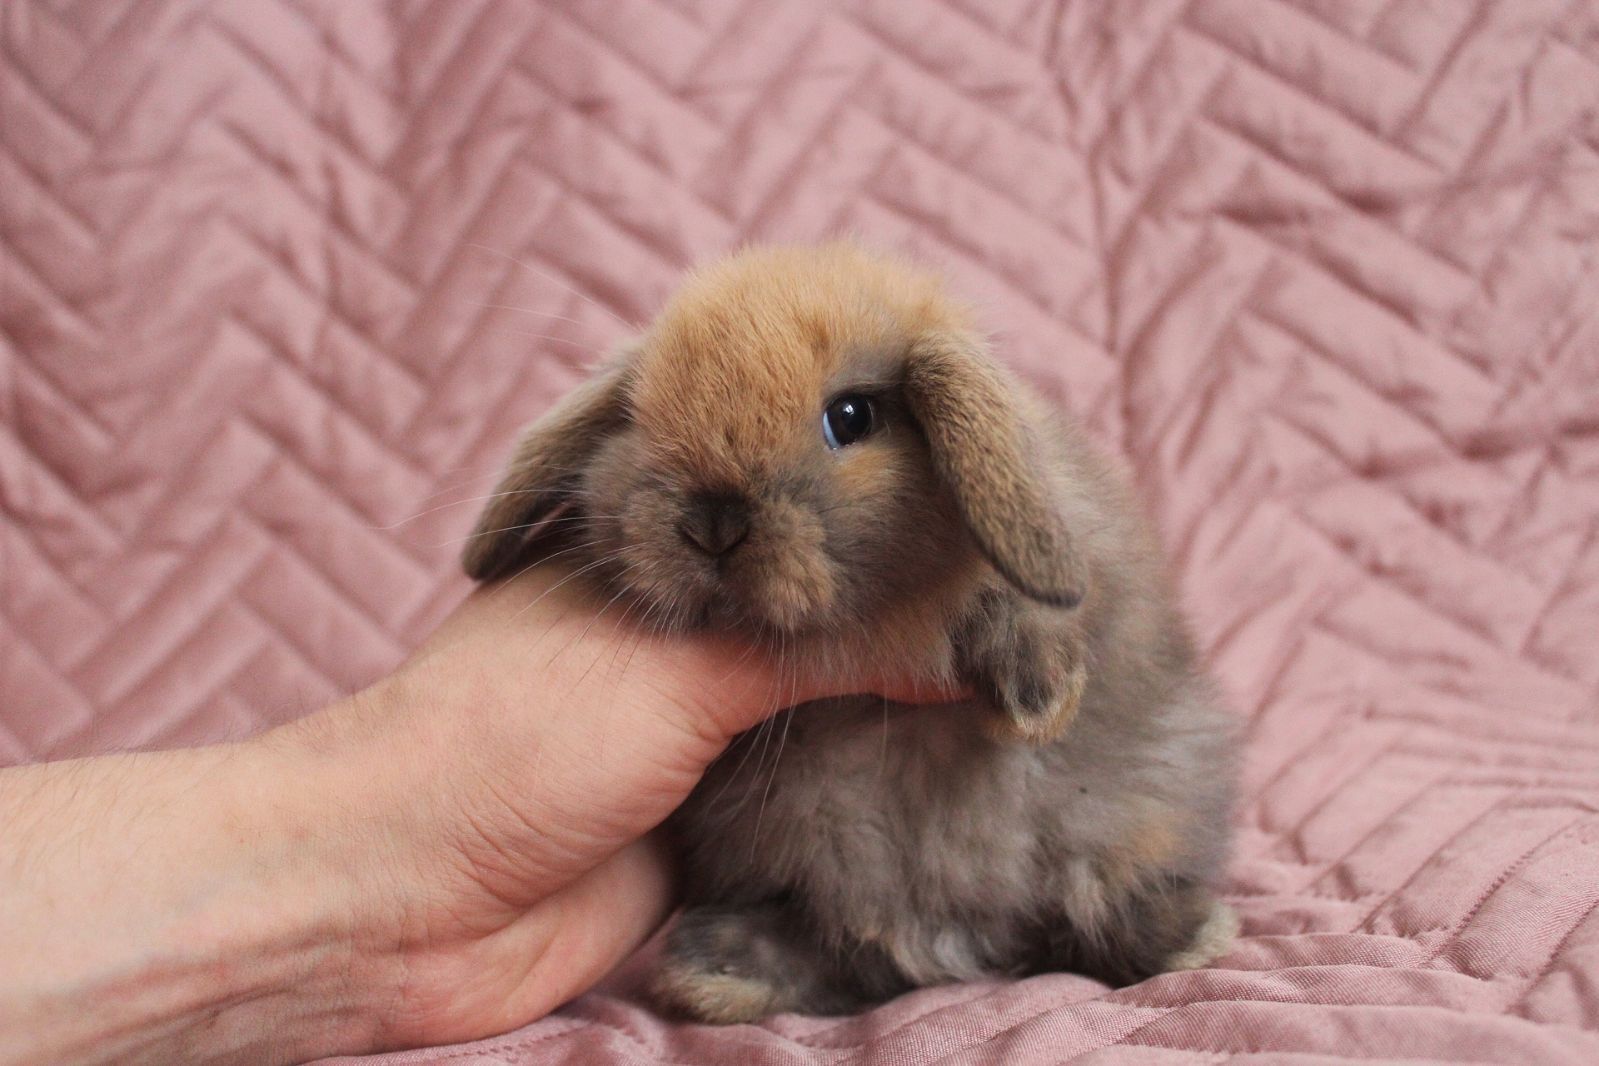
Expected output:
(726, 965)
(720, 998)
(1025, 660)
(1213, 939)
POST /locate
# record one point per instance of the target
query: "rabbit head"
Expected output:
(804, 439)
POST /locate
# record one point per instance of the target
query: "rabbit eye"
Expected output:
(848, 419)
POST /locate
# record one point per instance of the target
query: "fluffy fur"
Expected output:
(1074, 816)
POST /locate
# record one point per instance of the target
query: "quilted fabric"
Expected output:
(281, 280)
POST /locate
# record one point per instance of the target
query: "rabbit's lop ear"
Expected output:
(983, 449)
(538, 484)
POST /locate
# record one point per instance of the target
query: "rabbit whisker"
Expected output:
(552, 279)
(535, 311)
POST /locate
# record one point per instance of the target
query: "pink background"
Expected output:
(1327, 271)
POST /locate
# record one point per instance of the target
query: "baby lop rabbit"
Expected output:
(813, 447)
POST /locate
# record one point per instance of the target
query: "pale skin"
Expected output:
(449, 854)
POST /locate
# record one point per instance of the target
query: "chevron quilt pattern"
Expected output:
(279, 280)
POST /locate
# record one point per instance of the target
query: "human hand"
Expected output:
(449, 854)
(512, 770)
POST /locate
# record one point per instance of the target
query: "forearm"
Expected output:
(449, 854)
(280, 899)
(157, 907)
(337, 885)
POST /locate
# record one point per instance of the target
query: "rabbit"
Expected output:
(812, 446)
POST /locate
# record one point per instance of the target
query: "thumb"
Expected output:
(730, 686)
(578, 731)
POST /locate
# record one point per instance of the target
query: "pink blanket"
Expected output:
(1326, 270)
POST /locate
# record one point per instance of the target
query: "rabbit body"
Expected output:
(883, 851)
(850, 849)
(812, 446)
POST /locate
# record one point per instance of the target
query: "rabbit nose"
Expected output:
(715, 523)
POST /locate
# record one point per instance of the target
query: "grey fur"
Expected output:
(1074, 816)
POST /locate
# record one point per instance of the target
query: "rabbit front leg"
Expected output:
(1167, 922)
(739, 963)
(1025, 659)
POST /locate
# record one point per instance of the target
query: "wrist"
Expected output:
(340, 807)
(174, 921)
(366, 798)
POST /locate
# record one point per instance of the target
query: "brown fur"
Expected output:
(1073, 816)
(1155, 843)
(541, 474)
(1052, 722)
(989, 463)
